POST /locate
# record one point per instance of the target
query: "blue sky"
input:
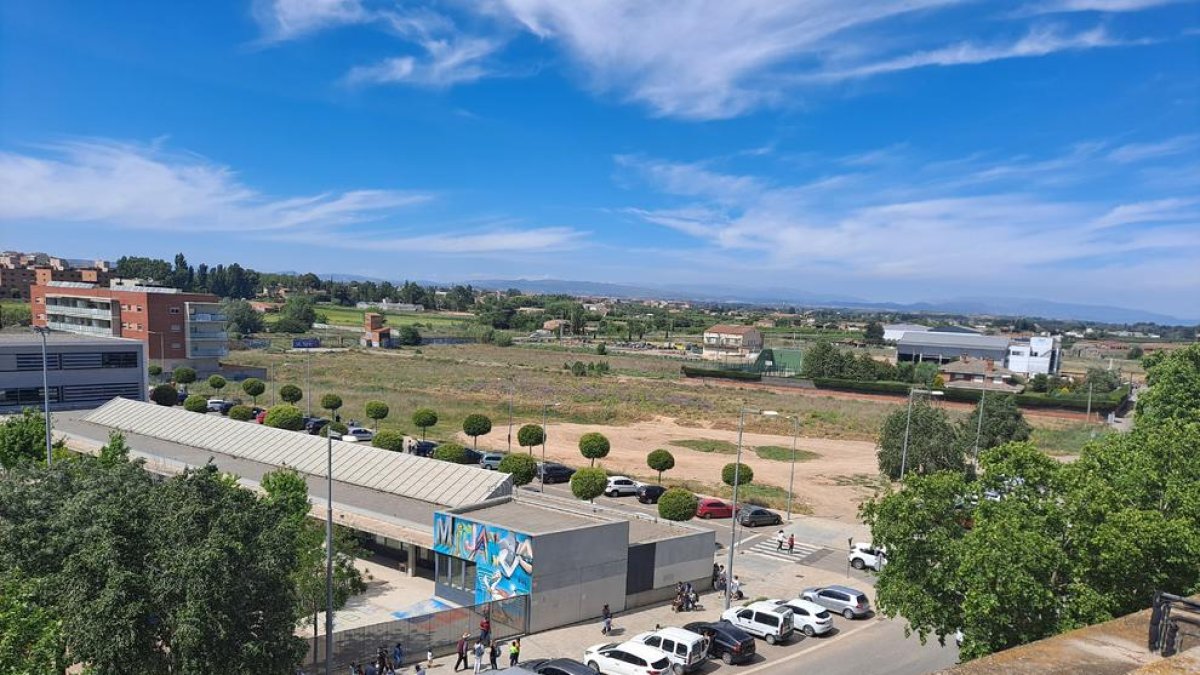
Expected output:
(895, 150)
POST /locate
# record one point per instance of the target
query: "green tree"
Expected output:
(290, 393)
(476, 425)
(15, 315)
(452, 452)
(253, 387)
(660, 460)
(601, 350)
(1003, 423)
(216, 383)
(389, 440)
(298, 311)
(933, 444)
(116, 450)
(874, 333)
(196, 403)
(285, 416)
(1135, 352)
(241, 413)
(1100, 380)
(677, 504)
(331, 402)
(522, 467)
(155, 371)
(744, 474)
(504, 340)
(408, 335)
(164, 394)
(183, 375)
(30, 633)
(1039, 383)
(593, 446)
(588, 483)
(377, 410)
(424, 418)
(22, 439)
(338, 428)
(241, 318)
(530, 435)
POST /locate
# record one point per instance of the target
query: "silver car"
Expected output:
(849, 602)
(491, 460)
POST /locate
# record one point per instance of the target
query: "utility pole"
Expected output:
(979, 424)
(329, 553)
(907, 426)
(44, 331)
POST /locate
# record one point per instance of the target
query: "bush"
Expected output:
(1135, 353)
(408, 335)
(744, 475)
(504, 340)
(530, 435)
(338, 427)
(253, 387)
(154, 370)
(476, 425)
(452, 452)
(677, 504)
(164, 394)
(285, 417)
(389, 440)
(594, 446)
(216, 382)
(660, 460)
(241, 413)
(522, 467)
(290, 324)
(601, 350)
(331, 401)
(578, 369)
(196, 403)
(424, 418)
(291, 393)
(879, 387)
(690, 371)
(589, 483)
(184, 375)
(377, 410)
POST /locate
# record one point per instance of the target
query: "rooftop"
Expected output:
(29, 337)
(905, 327)
(731, 329)
(953, 340)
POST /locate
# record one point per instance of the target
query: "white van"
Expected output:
(766, 619)
(686, 650)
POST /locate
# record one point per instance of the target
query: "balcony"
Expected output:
(80, 328)
(80, 312)
(204, 317)
(207, 352)
(207, 335)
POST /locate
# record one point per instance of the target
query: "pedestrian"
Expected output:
(370, 669)
(779, 539)
(398, 655)
(478, 656)
(429, 657)
(419, 669)
(735, 588)
(485, 630)
(791, 543)
(353, 668)
(606, 613)
(514, 653)
(494, 655)
(462, 653)
(716, 573)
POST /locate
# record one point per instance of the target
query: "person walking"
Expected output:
(716, 574)
(462, 653)
(735, 588)
(791, 543)
(485, 630)
(779, 540)
(494, 655)
(514, 653)
(419, 669)
(606, 613)
(398, 656)
(478, 656)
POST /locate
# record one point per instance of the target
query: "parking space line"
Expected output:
(796, 655)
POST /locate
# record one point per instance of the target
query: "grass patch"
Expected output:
(781, 454)
(1067, 440)
(707, 445)
(862, 480)
(767, 496)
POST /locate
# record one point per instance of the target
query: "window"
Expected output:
(119, 360)
(746, 614)
(654, 641)
(175, 328)
(175, 310)
(31, 396)
(176, 345)
(767, 619)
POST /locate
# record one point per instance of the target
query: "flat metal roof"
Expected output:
(952, 340)
(421, 478)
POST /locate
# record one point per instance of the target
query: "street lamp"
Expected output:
(908, 424)
(792, 477)
(737, 479)
(546, 407)
(329, 551)
(44, 331)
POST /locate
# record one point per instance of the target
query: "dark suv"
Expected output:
(725, 641)
(552, 472)
(649, 494)
(423, 448)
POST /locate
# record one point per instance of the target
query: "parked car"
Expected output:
(864, 555)
(725, 641)
(472, 456)
(619, 486)
(713, 508)
(314, 425)
(626, 658)
(358, 434)
(753, 516)
(811, 618)
(687, 651)
(491, 460)
(765, 619)
(180, 397)
(649, 494)
(558, 667)
(214, 404)
(553, 472)
(423, 448)
(849, 602)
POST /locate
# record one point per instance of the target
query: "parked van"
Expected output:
(767, 620)
(686, 650)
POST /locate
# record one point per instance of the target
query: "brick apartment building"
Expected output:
(177, 328)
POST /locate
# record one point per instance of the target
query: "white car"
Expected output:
(358, 434)
(620, 486)
(863, 555)
(766, 619)
(687, 651)
(491, 460)
(809, 617)
(215, 404)
(627, 658)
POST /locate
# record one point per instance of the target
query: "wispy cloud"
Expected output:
(446, 63)
(1136, 152)
(1111, 6)
(290, 19)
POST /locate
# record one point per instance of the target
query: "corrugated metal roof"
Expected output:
(398, 473)
(953, 340)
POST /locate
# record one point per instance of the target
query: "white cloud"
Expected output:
(289, 19)
(1170, 210)
(1137, 152)
(445, 64)
(1107, 6)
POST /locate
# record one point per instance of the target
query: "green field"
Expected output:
(782, 454)
(706, 445)
(1067, 439)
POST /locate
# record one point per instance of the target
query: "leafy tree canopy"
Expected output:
(588, 483)
(389, 440)
(933, 443)
(530, 435)
(522, 467)
(660, 460)
(677, 504)
(377, 410)
(164, 394)
(423, 418)
(291, 393)
(476, 425)
(594, 445)
(285, 416)
(196, 403)
(331, 401)
(740, 474)
(241, 317)
(23, 439)
(253, 387)
(183, 375)
(451, 452)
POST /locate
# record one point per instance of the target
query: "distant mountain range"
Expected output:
(977, 306)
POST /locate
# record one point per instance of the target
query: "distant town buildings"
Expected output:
(20, 271)
(725, 341)
(1022, 356)
(386, 305)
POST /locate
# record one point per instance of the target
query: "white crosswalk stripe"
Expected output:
(770, 549)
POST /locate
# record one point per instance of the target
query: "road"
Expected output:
(874, 647)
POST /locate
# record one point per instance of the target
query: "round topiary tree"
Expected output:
(285, 417)
(476, 425)
(529, 436)
(196, 403)
(522, 467)
(594, 446)
(184, 375)
(241, 413)
(588, 483)
(338, 428)
(164, 394)
(377, 410)
(389, 440)
(677, 504)
(744, 474)
(253, 387)
(451, 452)
(331, 402)
(424, 418)
(216, 383)
(660, 460)
(154, 370)
(290, 393)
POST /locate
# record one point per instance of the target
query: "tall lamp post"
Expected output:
(44, 331)
(792, 477)
(329, 552)
(737, 479)
(546, 407)
(908, 425)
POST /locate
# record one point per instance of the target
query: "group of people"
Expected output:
(781, 541)
(385, 663)
(686, 598)
(720, 581)
(485, 646)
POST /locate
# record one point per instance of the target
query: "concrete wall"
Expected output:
(575, 572)
(680, 559)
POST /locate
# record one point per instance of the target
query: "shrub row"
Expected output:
(1102, 403)
(689, 371)
(874, 386)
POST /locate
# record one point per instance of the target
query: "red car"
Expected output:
(713, 508)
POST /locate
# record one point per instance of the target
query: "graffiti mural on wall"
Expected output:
(503, 558)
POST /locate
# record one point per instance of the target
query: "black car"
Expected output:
(423, 448)
(725, 640)
(558, 667)
(551, 472)
(315, 424)
(473, 456)
(649, 494)
(755, 516)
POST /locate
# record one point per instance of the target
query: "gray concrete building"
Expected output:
(81, 372)
(940, 347)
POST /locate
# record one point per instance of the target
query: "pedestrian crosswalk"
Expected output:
(802, 551)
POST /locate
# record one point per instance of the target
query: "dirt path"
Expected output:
(831, 484)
